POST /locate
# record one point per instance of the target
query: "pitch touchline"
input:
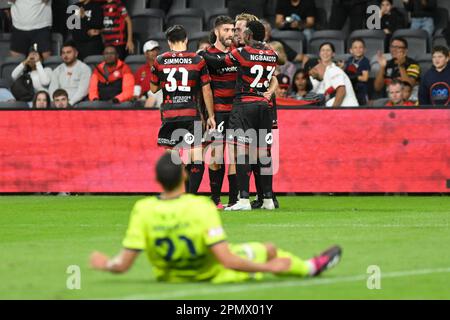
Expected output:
(284, 284)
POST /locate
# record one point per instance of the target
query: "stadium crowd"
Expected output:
(327, 56)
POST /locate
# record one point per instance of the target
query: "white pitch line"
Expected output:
(350, 225)
(284, 284)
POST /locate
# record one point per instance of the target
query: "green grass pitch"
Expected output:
(408, 238)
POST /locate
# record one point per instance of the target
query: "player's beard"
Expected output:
(226, 42)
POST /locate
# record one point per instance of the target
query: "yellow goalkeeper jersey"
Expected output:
(176, 235)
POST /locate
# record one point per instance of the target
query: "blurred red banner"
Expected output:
(320, 150)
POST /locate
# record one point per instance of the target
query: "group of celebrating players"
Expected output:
(229, 88)
(182, 234)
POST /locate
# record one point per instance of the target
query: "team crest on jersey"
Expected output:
(116, 74)
(215, 232)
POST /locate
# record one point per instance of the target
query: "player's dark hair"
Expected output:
(221, 20)
(441, 49)
(169, 172)
(257, 29)
(176, 33)
(358, 40)
(333, 48)
(401, 39)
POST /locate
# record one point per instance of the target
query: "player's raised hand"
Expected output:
(278, 265)
(98, 260)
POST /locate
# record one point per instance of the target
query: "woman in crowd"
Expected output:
(41, 100)
(301, 85)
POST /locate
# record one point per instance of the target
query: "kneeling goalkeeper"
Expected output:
(183, 237)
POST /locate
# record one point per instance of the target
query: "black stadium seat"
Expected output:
(191, 19)
(294, 39)
(425, 63)
(374, 40)
(57, 42)
(7, 67)
(135, 61)
(440, 41)
(334, 36)
(161, 38)
(417, 41)
(53, 62)
(194, 39)
(147, 22)
(207, 6)
(5, 41)
(4, 83)
(213, 15)
(14, 105)
(135, 6)
(178, 5)
(93, 61)
(441, 17)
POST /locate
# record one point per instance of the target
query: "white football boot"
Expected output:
(268, 204)
(241, 205)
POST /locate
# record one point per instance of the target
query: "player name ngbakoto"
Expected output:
(178, 61)
(257, 57)
(231, 309)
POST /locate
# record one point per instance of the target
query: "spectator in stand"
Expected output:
(88, 38)
(112, 80)
(61, 99)
(331, 81)
(6, 95)
(283, 86)
(357, 67)
(396, 99)
(72, 75)
(117, 28)
(296, 15)
(284, 65)
(407, 91)
(421, 14)
(435, 85)
(41, 100)
(40, 75)
(32, 22)
(291, 54)
(355, 10)
(143, 74)
(391, 19)
(399, 67)
(301, 85)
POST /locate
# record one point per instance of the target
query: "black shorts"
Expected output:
(251, 124)
(180, 134)
(22, 41)
(218, 136)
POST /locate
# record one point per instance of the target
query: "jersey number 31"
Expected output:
(172, 84)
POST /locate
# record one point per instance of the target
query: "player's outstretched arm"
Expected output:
(119, 264)
(231, 261)
(209, 103)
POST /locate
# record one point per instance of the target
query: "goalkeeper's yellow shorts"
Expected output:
(253, 251)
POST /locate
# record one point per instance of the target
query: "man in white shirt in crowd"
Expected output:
(331, 81)
(73, 75)
(32, 22)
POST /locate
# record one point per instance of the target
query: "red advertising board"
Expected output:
(320, 150)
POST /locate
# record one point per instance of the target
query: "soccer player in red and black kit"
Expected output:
(256, 64)
(223, 84)
(182, 75)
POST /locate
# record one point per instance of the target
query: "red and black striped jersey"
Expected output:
(181, 76)
(114, 15)
(256, 66)
(223, 83)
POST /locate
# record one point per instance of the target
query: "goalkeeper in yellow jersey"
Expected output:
(183, 237)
